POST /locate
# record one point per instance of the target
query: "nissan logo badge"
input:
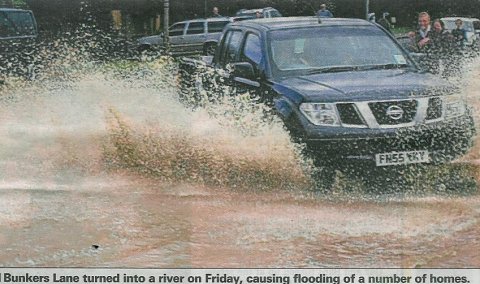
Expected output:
(395, 112)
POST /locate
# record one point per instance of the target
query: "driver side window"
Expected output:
(230, 47)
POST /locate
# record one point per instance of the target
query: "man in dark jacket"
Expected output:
(323, 12)
(459, 33)
(425, 28)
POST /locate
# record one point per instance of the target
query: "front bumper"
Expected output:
(445, 141)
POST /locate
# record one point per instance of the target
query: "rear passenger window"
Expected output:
(274, 14)
(231, 46)
(195, 28)
(252, 51)
(216, 27)
(176, 30)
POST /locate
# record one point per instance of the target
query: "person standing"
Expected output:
(385, 24)
(421, 42)
(216, 13)
(441, 39)
(421, 37)
(442, 51)
(459, 33)
(323, 12)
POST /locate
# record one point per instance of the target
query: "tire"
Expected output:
(325, 177)
(144, 47)
(210, 48)
(190, 87)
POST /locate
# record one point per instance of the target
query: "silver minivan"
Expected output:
(189, 37)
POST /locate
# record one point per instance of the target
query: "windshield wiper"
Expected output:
(358, 68)
(332, 69)
(385, 66)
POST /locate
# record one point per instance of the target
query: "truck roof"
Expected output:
(464, 19)
(13, 10)
(255, 10)
(218, 19)
(299, 22)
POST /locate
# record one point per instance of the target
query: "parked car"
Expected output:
(199, 36)
(18, 34)
(345, 88)
(471, 26)
(267, 12)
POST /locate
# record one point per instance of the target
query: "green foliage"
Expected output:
(65, 14)
(19, 3)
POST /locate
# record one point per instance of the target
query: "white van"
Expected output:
(471, 26)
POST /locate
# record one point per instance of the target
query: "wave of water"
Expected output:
(127, 115)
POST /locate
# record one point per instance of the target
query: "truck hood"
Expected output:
(364, 85)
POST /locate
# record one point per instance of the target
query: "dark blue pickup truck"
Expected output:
(346, 88)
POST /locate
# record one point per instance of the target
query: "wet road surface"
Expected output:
(140, 223)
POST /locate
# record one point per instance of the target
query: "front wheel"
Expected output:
(325, 178)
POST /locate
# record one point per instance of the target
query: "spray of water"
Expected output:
(129, 115)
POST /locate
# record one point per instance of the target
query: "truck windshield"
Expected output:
(17, 23)
(333, 49)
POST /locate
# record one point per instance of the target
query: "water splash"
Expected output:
(134, 115)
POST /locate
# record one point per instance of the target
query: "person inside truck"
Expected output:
(289, 55)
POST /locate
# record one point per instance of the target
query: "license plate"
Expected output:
(402, 158)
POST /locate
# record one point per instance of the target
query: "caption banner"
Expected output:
(239, 276)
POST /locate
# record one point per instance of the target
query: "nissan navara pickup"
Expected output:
(346, 88)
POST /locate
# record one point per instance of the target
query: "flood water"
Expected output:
(90, 176)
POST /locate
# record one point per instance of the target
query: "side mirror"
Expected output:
(417, 56)
(244, 70)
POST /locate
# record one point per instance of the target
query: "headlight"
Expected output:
(320, 114)
(454, 106)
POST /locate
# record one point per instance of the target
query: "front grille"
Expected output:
(349, 114)
(388, 113)
(435, 109)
